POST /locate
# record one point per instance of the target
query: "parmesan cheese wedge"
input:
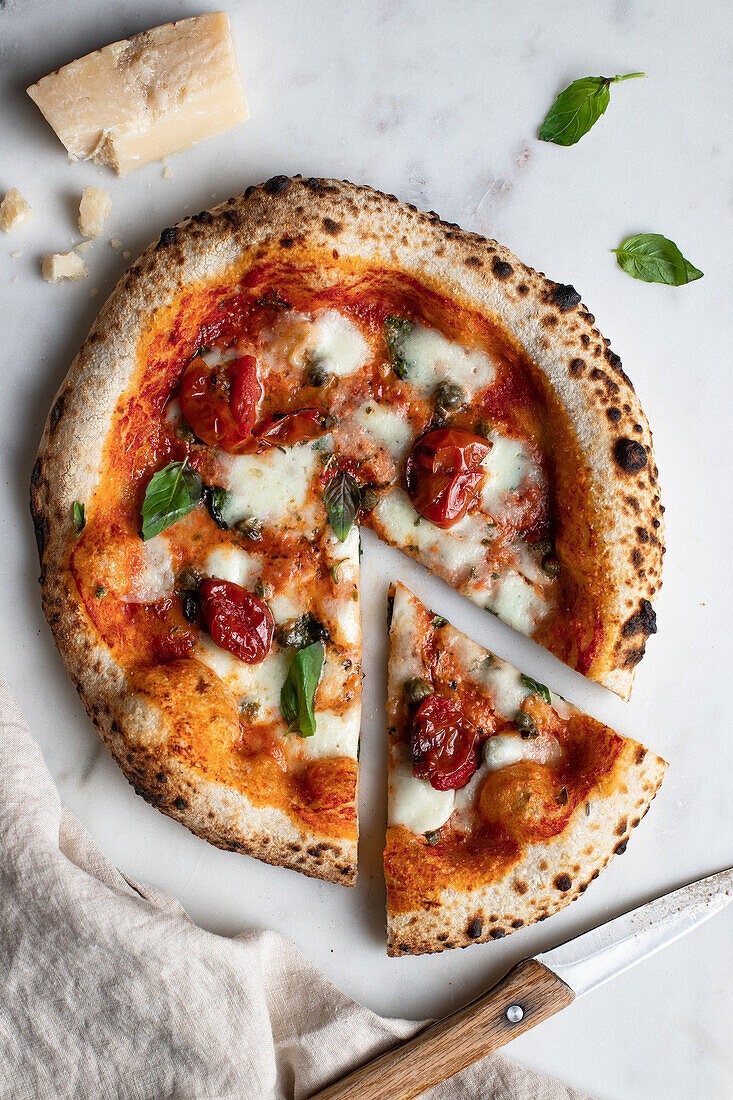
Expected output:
(63, 265)
(146, 97)
(14, 211)
(94, 207)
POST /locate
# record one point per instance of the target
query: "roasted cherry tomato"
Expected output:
(237, 620)
(443, 474)
(220, 403)
(289, 428)
(443, 743)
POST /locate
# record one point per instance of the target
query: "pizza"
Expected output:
(505, 801)
(309, 357)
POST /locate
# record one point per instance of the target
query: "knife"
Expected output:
(531, 992)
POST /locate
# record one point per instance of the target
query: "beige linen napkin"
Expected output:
(109, 991)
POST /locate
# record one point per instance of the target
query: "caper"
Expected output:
(432, 837)
(368, 499)
(262, 589)
(417, 689)
(526, 725)
(448, 395)
(318, 375)
(484, 428)
(250, 527)
(551, 565)
(184, 432)
(248, 708)
(188, 579)
(298, 633)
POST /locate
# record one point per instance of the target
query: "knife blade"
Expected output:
(588, 961)
(532, 991)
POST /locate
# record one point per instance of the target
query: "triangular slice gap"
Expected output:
(537, 797)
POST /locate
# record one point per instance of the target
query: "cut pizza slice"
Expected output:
(505, 801)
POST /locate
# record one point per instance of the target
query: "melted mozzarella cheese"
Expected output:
(387, 427)
(455, 551)
(259, 683)
(416, 804)
(337, 343)
(518, 602)
(271, 486)
(155, 579)
(230, 563)
(405, 662)
(507, 465)
(336, 735)
(431, 358)
(505, 749)
(504, 685)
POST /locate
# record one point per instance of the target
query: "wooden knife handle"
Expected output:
(451, 1044)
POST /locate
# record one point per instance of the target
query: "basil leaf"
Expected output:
(535, 688)
(578, 107)
(216, 497)
(78, 517)
(299, 690)
(172, 493)
(655, 259)
(396, 331)
(342, 498)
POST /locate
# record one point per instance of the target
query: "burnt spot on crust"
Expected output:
(180, 803)
(474, 928)
(613, 414)
(442, 936)
(161, 777)
(518, 923)
(277, 185)
(287, 242)
(331, 227)
(203, 218)
(643, 621)
(474, 261)
(497, 933)
(564, 296)
(520, 886)
(633, 656)
(167, 237)
(576, 367)
(502, 270)
(622, 827)
(630, 455)
(57, 410)
(562, 882)
(621, 846)
(640, 755)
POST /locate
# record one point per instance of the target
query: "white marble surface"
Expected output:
(438, 103)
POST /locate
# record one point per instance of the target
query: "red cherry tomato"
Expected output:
(292, 427)
(443, 743)
(220, 403)
(238, 621)
(443, 474)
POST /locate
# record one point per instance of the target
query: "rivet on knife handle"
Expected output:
(524, 997)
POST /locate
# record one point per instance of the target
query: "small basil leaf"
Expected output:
(172, 493)
(78, 517)
(578, 108)
(299, 690)
(342, 498)
(216, 497)
(535, 688)
(396, 331)
(655, 259)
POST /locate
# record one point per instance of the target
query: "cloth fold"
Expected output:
(110, 991)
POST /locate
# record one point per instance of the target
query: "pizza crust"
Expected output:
(308, 219)
(548, 877)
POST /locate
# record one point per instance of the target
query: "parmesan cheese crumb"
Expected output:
(17, 254)
(167, 174)
(84, 246)
(126, 255)
(14, 211)
(94, 207)
(115, 242)
(63, 265)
